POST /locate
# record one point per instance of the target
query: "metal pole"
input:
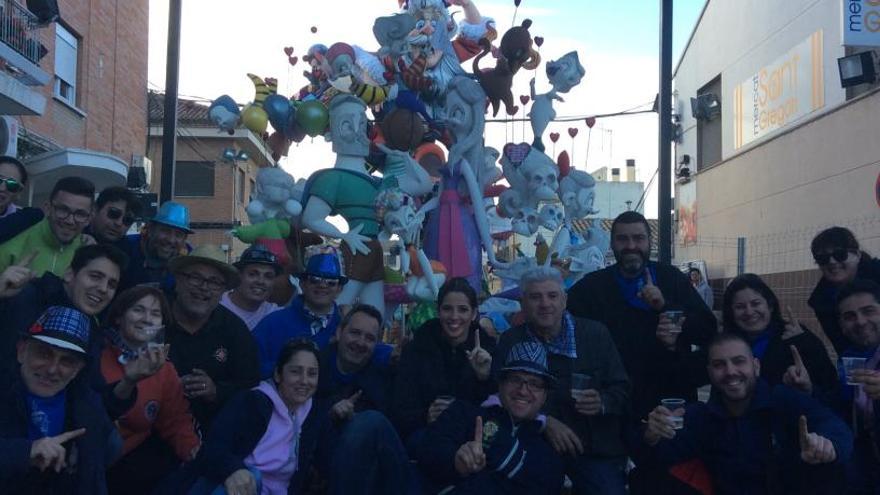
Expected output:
(169, 125)
(664, 210)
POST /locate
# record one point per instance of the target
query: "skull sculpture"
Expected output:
(551, 216)
(525, 221)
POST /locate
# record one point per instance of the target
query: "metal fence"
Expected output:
(18, 29)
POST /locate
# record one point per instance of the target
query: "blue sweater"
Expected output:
(758, 452)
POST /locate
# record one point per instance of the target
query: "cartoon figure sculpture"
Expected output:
(563, 74)
(347, 190)
(276, 195)
(225, 114)
(586, 253)
(397, 211)
(533, 178)
(458, 231)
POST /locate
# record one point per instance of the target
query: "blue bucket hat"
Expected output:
(62, 327)
(173, 214)
(324, 262)
(529, 357)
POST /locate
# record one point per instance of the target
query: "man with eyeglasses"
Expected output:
(841, 261)
(585, 415)
(115, 211)
(498, 447)
(55, 238)
(314, 313)
(163, 239)
(258, 267)
(211, 348)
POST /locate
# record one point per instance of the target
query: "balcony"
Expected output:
(20, 47)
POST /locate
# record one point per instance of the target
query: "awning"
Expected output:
(44, 170)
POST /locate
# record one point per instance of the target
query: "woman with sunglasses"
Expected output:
(449, 359)
(789, 353)
(134, 356)
(840, 261)
(267, 439)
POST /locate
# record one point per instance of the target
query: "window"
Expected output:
(709, 129)
(239, 186)
(194, 179)
(66, 46)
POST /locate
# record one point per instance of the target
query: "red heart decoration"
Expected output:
(539, 40)
(524, 99)
(591, 121)
(288, 50)
(314, 30)
(572, 131)
(554, 136)
(564, 164)
(293, 60)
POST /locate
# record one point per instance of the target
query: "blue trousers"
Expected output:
(594, 476)
(204, 486)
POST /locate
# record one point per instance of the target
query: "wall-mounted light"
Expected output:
(856, 69)
(706, 106)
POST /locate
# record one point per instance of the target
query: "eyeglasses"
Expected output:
(12, 185)
(329, 282)
(198, 281)
(115, 214)
(62, 213)
(531, 385)
(839, 255)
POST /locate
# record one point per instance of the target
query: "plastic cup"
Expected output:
(675, 405)
(579, 383)
(675, 317)
(851, 364)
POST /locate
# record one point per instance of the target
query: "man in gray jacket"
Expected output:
(584, 413)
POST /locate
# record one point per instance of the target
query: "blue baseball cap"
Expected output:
(62, 327)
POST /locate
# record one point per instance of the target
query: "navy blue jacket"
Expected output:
(759, 452)
(241, 424)
(823, 301)
(518, 460)
(94, 450)
(375, 381)
(18, 222)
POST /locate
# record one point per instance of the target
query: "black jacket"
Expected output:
(518, 460)
(601, 435)
(654, 371)
(430, 367)
(374, 381)
(94, 450)
(823, 302)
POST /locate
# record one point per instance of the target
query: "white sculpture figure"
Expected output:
(276, 195)
(347, 190)
(397, 211)
(551, 216)
(563, 74)
(525, 221)
(587, 253)
(533, 177)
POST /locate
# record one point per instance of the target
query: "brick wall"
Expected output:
(111, 80)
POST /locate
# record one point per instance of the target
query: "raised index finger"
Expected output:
(477, 338)
(804, 432)
(796, 355)
(70, 435)
(478, 430)
(649, 280)
(27, 260)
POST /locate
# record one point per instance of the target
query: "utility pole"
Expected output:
(169, 125)
(664, 208)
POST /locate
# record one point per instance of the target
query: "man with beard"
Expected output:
(497, 448)
(258, 268)
(368, 456)
(163, 239)
(54, 239)
(751, 438)
(631, 297)
(211, 348)
(858, 310)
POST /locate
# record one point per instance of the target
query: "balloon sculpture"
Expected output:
(420, 97)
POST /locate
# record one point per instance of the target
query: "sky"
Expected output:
(617, 42)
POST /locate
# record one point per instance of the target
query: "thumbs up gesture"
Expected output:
(479, 358)
(815, 449)
(651, 294)
(792, 325)
(469, 458)
(796, 375)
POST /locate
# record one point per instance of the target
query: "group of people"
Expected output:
(137, 363)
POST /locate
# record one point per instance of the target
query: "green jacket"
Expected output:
(52, 256)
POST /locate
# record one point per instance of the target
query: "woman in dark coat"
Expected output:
(449, 359)
(751, 309)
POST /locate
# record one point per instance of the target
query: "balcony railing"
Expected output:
(18, 29)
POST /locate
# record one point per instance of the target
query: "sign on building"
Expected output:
(861, 22)
(781, 92)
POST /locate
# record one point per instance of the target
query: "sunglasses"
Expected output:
(115, 214)
(12, 185)
(329, 282)
(839, 255)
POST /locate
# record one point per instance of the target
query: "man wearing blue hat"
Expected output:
(497, 447)
(55, 436)
(314, 313)
(258, 268)
(163, 239)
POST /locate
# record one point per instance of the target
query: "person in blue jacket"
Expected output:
(752, 439)
(498, 447)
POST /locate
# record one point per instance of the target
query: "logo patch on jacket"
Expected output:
(221, 354)
(151, 410)
(490, 429)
